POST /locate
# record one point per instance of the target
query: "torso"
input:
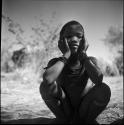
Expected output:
(73, 80)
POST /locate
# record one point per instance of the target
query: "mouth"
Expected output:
(74, 46)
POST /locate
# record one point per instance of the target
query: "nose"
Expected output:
(74, 39)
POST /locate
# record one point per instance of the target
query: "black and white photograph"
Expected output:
(62, 62)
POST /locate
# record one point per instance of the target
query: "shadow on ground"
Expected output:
(118, 122)
(43, 120)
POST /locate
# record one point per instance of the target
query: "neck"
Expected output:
(73, 60)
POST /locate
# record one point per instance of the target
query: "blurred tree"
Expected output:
(108, 69)
(46, 34)
(114, 40)
(40, 44)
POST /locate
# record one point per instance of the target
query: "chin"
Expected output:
(74, 51)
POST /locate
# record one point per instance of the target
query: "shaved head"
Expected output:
(71, 26)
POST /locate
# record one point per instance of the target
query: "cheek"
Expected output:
(82, 42)
(69, 41)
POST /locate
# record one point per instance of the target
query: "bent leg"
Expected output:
(56, 100)
(94, 103)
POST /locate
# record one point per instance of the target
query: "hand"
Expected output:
(64, 47)
(83, 46)
(82, 56)
(82, 50)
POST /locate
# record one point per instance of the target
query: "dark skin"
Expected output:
(52, 73)
(72, 46)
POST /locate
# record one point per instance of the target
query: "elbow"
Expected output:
(47, 79)
(99, 79)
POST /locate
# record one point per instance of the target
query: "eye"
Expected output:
(79, 36)
(69, 36)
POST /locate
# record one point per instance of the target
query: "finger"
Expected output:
(65, 39)
(87, 47)
(60, 44)
(80, 49)
(61, 41)
(66, 42)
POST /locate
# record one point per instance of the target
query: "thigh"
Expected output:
(87, 89)
(98, 95)
(51, 91)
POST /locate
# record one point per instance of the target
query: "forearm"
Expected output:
(52, 73)
(93, 71)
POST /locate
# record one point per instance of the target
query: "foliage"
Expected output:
(108, 69)
(40, 46)
(114, 40)
(119, 62)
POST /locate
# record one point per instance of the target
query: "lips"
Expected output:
(74, 45)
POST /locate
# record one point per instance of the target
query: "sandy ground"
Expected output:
(20, 99)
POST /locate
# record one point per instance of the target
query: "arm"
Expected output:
(93, 70)
(53, 70)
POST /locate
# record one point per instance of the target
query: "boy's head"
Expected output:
(74, 33)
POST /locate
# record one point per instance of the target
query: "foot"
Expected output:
(93, 122)
(59, 121)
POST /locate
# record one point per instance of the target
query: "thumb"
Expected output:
(87, 45)
(66, 43)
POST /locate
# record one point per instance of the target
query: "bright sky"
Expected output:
(96, 16)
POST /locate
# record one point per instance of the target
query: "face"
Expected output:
(74, 34)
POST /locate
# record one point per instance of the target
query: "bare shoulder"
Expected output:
(51, 62)
(95, 61)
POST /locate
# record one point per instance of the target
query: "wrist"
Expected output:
(84, 57)
(67, 55)
(63, 59)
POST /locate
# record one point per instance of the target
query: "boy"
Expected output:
(65, 88)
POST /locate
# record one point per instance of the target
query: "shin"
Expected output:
(56, 100)
(94, 102)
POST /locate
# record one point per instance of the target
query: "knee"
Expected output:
(48, 91)
(44, 91)
(104, 93)
(106, 89)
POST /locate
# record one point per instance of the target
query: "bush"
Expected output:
(119, 63)
(111, 70)
(42, 45)
(107, 68)
(114, 41)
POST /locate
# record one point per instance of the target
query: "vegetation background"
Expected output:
(21, 73)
